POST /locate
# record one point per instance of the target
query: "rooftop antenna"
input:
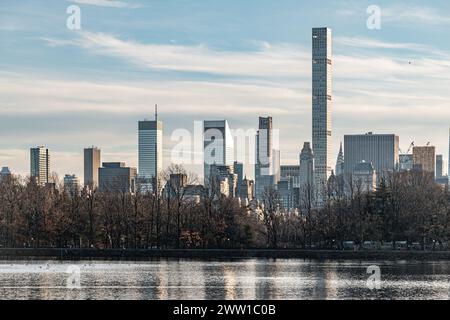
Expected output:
(156, 112)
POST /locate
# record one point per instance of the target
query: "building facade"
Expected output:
(382, 150)
(116, 177)
(5, 172)
(218, 146)
(406, 162)
(246, 191)
(364, 177)
(291, 171)
(150, 157)
(322, 64)
(224, 179)
(71, 184)
(306, 169)
(239, 171)
(40, 165)
(424, 159)
(266, 160)
(439, 166)
(92, 160)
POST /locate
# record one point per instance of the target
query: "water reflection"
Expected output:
(241, 279)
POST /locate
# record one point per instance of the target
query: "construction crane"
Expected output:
(412, 145)
(404, 156)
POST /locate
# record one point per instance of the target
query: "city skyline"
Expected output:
(76, 80)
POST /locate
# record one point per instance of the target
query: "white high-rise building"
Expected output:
(218, 146)
(321, 105)
(40, 165)
(150, 152)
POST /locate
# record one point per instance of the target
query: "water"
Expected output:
(239, 279)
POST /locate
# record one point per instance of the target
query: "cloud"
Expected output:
(368, 43)
(414, 14)
(107, 3)
(271, 62)
(400, 14)
(266, 61)
(33, 94)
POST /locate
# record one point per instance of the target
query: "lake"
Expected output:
(228, 279)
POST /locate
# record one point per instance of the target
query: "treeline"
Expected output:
(405, 207)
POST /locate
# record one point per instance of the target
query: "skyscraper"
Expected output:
(92, 157)
(306, 167)
(239, 170)
(439, 166)
(5, 172)
(321, 104)
(364, 177)
(40, 165)
(150, 152)
(289, 186)
(340, 163)
(382, 150)
(225, 179)
(424, 158)
(218, 146)
(71, 184)
(116, 177)
(406, 162)
(291, 172)
(265, 175)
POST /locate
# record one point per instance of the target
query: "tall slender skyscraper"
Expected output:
(265, 175)
(218, 146)
(321, 104)
(239, 171)
(40, 165)
(150, 151)
(92, 157)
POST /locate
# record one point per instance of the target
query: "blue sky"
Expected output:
(214, 59)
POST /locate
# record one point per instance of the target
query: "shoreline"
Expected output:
(208, 254)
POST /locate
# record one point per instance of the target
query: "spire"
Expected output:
(340, 162)
(340, 157)
(156, 112)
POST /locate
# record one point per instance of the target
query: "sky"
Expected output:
(235, 60)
